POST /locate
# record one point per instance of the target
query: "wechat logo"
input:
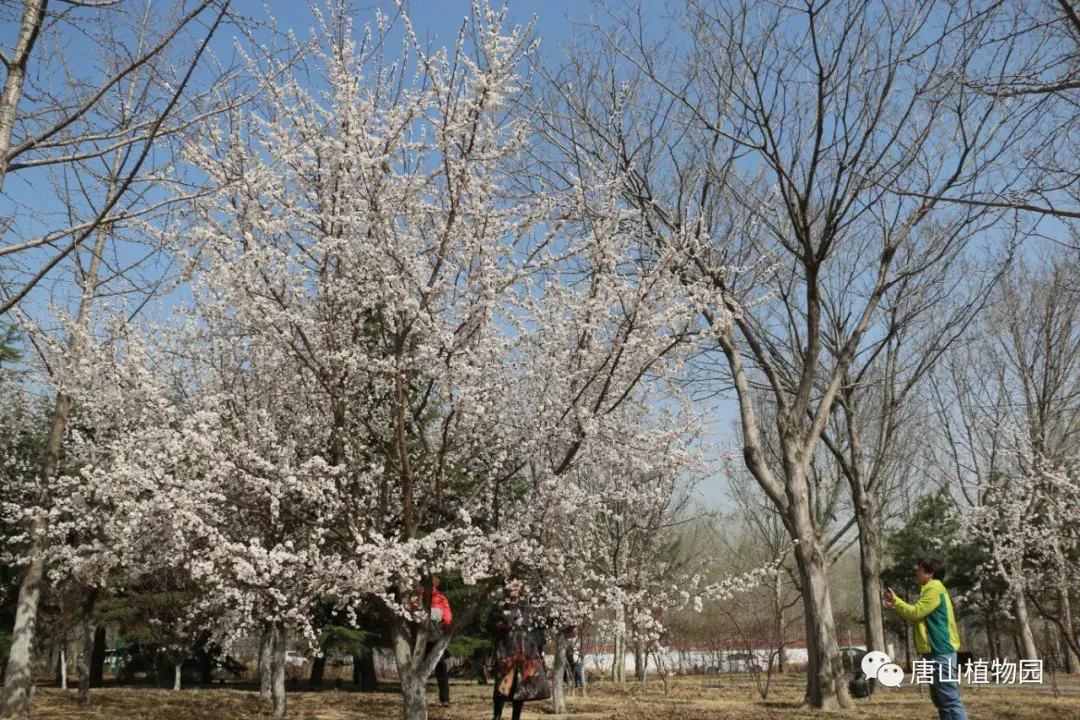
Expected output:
(878, 666)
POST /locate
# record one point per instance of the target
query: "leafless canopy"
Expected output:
(97, 98)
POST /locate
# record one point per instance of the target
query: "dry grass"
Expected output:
(690, 698)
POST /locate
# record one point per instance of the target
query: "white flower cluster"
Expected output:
(392, 363)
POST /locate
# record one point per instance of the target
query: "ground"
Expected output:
(690, 698)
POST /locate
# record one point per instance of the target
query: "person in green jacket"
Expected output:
(936, 637)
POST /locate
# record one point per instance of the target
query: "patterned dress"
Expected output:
(519, 652)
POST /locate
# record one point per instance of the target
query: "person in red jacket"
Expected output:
(440, 606)
(442, 618)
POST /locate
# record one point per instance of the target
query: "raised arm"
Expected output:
(927, 603)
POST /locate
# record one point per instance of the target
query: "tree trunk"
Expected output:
(32, 18)
(84, 656)
(870, 569)
(639, 662)
(63, 668)
(266, 655)
(414, 695)
(415, 658)
(778, 620)
(19, 678)
(1072, 661)
(277, 671)
(826, 683)
(615, 658)
(1025, 643)
(54, 660)
(991, 638)
(318, 667)
(558, 683)
(645, 667)
(364, 672)
(413, 685)
(176, 674)
(18, 682)
(778, 612)
(97, 659)
(618, 660)
(1027, 639)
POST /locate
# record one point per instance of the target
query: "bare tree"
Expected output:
(1038, 336)
(95, 147)
(766, 530)
(973, 403)
(62, 125)
(876, 429)
(765, 144)
(1029, 53)
(33, 17)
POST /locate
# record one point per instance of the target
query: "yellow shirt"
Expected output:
(933, 618)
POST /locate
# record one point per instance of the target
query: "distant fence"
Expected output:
(598, 662)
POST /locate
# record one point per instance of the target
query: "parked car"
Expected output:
(114, 658)
(859, 685)
(295, 659)
(851, 657)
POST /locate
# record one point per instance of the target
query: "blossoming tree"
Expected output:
(394, 359)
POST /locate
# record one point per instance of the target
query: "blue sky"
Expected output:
(438, 21)
(441, 19)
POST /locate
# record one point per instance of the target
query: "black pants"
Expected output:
(500, 701)
(442, 676)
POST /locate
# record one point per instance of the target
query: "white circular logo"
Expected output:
(890, 675)
(874, 661)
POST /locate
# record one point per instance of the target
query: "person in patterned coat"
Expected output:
(517, 635)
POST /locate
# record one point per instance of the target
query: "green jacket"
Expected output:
(933, 618)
